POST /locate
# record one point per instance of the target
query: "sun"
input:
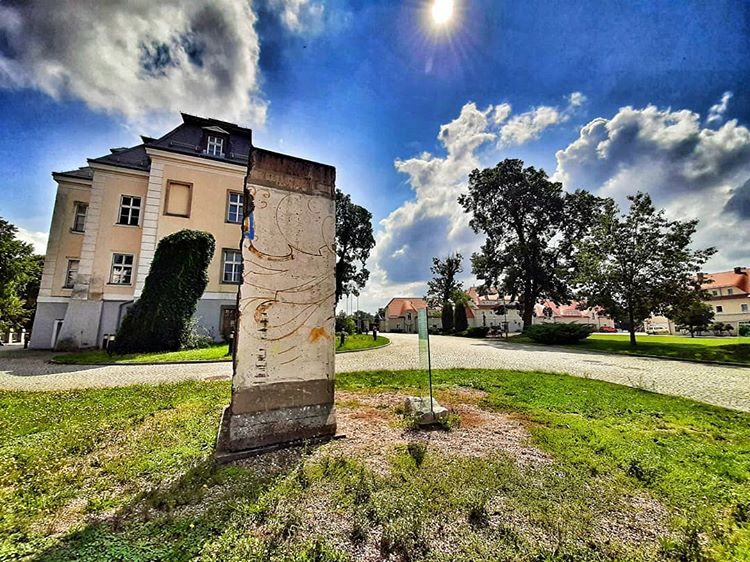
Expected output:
(442, 11)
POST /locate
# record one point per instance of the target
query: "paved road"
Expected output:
(714, 384)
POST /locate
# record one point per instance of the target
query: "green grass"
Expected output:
(217, 352)
(361, 341)
(125, 474)
(729, 349)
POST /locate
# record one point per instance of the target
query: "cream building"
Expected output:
(109, 216)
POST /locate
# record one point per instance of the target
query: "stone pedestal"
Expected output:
(282, 387)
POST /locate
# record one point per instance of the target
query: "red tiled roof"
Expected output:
(401, 305)
(723, 279)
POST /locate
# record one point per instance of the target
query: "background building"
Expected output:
(109, 216)
(730, 296)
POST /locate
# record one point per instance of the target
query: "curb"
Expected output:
(662, 357)
(195, 362)
(364, 349)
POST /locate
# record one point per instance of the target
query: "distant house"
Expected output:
(549, 311)
(401, 315)
(729, 296)
(492, 310)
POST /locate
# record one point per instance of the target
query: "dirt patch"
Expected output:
(373, 430)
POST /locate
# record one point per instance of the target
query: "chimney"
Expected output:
(739, 271)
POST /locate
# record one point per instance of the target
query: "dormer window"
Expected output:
(215, 146)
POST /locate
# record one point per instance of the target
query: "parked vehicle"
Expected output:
(657, 330)
(608, 329)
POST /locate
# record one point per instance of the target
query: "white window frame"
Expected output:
(80, 210)
(719, 309)
(235, 266)
(69, 281)
(235, 207)
(744, 308)
(215, 146)
(130, 208)
(730, 291)
(118, 270)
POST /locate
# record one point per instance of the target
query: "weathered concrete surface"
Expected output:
(284, 366)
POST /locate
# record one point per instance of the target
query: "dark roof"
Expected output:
(188, 138)
(134, 158)
(84, 173)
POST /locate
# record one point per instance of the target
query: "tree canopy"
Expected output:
(161, 320)
(354, 241)
(530, 226)
(639, 263)
(443, 286)
(20, 274)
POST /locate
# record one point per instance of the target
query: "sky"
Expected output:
(613, 97)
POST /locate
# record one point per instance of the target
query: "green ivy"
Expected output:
(160, 319)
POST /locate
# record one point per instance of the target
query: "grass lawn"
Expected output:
(361, 341)
(730, 349)
(125, 474)
(216, 352)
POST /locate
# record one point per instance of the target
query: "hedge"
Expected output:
(558, 333)
(161, 319)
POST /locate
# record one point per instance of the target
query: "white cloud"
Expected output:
(138, 58)
(529, 125)
(433, 223)
(300, 15)
(716, 112)
(36, 239)
(691, 170)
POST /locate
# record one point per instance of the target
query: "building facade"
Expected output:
(109, 216)
(729, 296)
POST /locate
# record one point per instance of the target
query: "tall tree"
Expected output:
(20, 272)
(530, 226)
(639, 263)
(460, 300)
(354, 241)
(443, 285)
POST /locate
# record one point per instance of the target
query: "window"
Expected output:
(71, 274)
(234, 207)
(215, 146)
(730, 291)
(178, 199)
(130, 210)
(79, 218)
(719, 309)
(744, 308)
(715, 293)
(122, 269)
(232, 267)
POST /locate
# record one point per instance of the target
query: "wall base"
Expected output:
(247, 432)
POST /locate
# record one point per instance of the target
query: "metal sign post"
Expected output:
(424, 349)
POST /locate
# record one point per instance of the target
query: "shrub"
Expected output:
(161, 319)
(558, 333)
(744, 331)
(478, 332)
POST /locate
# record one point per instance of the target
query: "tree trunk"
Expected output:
(528, 313)
(631, 328)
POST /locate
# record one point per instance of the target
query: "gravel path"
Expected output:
(713, 384)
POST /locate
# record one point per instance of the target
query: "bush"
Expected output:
(478, 332)
(744, 331)
(558, 333)
(161, 319)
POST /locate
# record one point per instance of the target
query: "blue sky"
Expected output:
(367, 86)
